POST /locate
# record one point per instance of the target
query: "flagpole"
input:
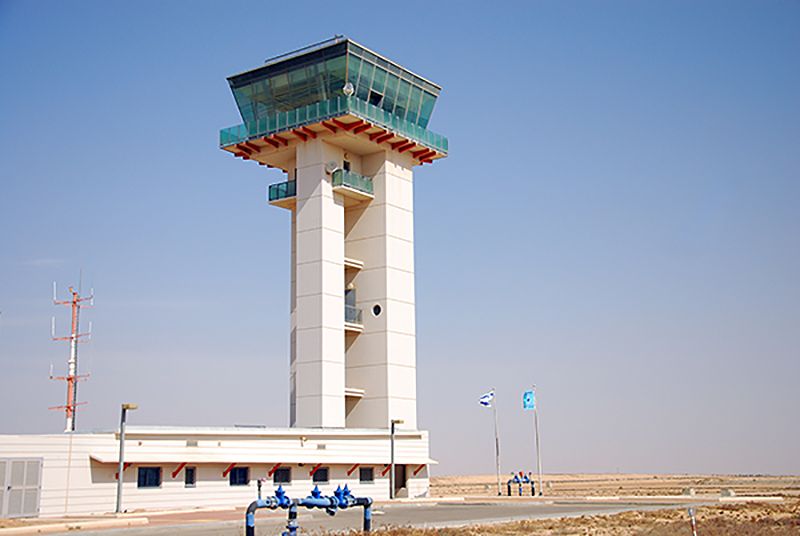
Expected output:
(536, 429)
(496, 447)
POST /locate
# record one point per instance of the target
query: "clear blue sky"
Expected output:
(618, 222)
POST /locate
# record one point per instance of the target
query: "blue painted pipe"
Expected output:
(291, 524)
(280, 500)
(520, 480)
(341, 498)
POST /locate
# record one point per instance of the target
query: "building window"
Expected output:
(320, 476)
(190, 477)
(375, 98)
(282, 475)
(366, 475)
(239, 476)
(149, 477)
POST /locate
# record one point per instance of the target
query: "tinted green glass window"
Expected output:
(401, 103)
(335, 73)
(353, 70)
(379, 80)
(267, 95)
(426, 109)
(413, 104)
(365, 81)
(390, 92)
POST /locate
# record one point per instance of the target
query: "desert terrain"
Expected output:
(582, 485)
(748, 518)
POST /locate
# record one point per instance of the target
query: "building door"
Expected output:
(399, 479)
(21, 480)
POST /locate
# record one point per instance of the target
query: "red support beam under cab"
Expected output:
(388, 467)
(284, 141)
(302, 135)
(374, 136)
(361, 128)
(309, 132)
(385, 137)
(418, 469)
(271, 142)
(347, 126)
(406, 147)
(397, 144)
(350, 471)
(329, 127)
(274, 468)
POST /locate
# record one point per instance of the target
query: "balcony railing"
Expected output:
(282, 190)
(352, 315)
(358, 182)
(319, 111)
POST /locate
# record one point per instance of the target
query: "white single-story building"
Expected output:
(187, 467)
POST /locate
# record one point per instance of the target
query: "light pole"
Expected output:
(125, 408)
(391, 470)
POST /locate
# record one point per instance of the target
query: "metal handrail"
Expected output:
(342, 177)
(336, 107)
(352, 315)
(282, 190)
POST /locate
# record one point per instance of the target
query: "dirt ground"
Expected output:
(624, 484)
(741, 519)
(752, 519)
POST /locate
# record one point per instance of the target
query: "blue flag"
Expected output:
(486, 400)
(528, 400)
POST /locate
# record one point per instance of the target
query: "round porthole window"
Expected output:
(376, 310)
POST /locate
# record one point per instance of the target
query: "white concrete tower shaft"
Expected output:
(362, 372)
(318, 364)
(382, 359)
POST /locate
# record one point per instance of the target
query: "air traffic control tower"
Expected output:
(347, 126)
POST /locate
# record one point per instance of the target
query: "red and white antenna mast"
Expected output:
(74, 338)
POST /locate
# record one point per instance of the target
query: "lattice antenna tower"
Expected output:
(76, 302)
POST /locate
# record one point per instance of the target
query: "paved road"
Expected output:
(418, 515)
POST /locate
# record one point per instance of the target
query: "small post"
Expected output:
(694, 521)
(391, 448)
(123, 414)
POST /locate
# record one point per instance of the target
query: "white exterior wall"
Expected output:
(318, 375)
(78, 471)
(382, 359)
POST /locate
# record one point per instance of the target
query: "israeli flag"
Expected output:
(486, 400)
